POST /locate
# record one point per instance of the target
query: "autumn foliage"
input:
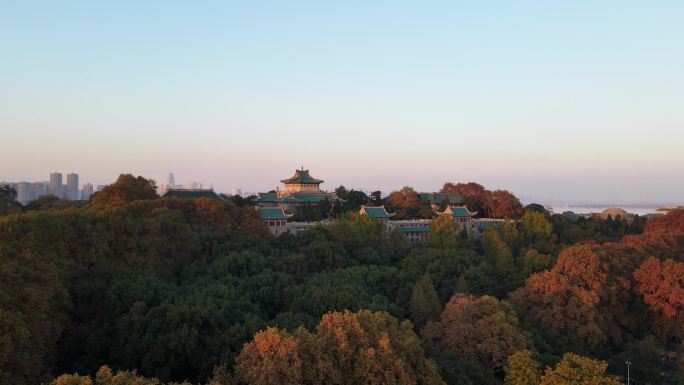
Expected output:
(478, 329)
(661, 283)
(496, 204)
(346, 348)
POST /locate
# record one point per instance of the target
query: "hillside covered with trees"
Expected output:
(134, 289)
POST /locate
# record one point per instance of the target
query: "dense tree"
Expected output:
(480, 330)
(424, 305)
(353, 199)
(566, 300)
(661, 283)
(46, 202)
(8, 200)
(474, 194)
(273, 357)
(522, 369)
(443, 233)
(127, 188)
(407, 205)
(503, 204)
(105, 376)
(346, 348)
(574, 369)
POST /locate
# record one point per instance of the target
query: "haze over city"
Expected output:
(576, 102)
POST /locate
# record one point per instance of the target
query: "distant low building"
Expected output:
(415, 230)
(437, 200)
(378, 213)
(274, 218)
(192, 194)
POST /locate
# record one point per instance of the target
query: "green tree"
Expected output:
(105, 376)
(424, 305)
(8, 200)
(127, 188)
(522, 369)
(443, 234)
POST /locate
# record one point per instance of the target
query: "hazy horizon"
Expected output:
(558, 103)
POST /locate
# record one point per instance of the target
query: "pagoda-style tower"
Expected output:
(302, 182)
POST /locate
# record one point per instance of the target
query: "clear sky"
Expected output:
(556, 101)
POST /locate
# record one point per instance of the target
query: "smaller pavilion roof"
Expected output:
(302, 176)
(375, 212)
(271, 213)
(459, 211)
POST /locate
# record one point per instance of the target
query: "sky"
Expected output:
(575, 101)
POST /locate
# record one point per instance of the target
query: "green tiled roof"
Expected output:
(414, 229)
(271, 213)
(460, 211)
(314, 198)
(438, 198)
(375, 212)
(267, 197)
(299, 198)
(192, 194)
(302, 176)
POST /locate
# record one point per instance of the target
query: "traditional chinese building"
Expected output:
(274, 218)
(301, 189)
(378, 213)
(437, 200)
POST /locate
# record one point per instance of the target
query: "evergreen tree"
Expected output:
(425, 305)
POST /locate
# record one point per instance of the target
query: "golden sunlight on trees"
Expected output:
(574, 369)
(443, 233)
(127, 188)
(105, 376)
(661, 283)
(346, 348)
(483, 330)
(522, 369)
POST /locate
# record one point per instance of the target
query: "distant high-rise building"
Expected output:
(195, 186)
(38, 189)
(23, 192)
(56, 184)
(100, 187)
(72, 187)
(171, 181)
(87, 191)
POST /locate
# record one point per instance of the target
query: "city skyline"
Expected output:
(568, 102)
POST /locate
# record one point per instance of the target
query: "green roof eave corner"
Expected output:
(302, 176)
(272, 213)
(378, 212)
(459, 211)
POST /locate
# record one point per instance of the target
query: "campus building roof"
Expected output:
(192, 194)
(271, 213)
(375, 212)
(302, 176)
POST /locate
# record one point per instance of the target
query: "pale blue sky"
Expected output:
(555, 101)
